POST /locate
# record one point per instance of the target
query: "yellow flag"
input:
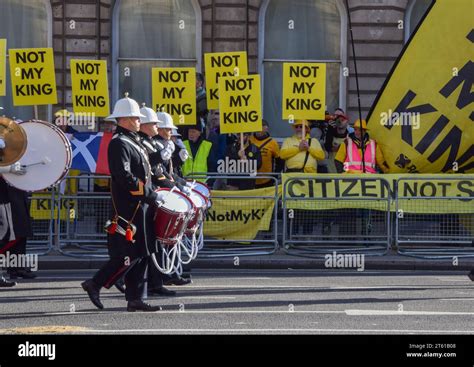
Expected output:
(304, 91)
(240, 104)
(423, 118)
(3, 62)
(222, 64)
(174, 92)
(33, 76)
(90, 90)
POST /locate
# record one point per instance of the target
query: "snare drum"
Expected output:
(48, 157)
(172, 217)
(204, 190)
(200, 205)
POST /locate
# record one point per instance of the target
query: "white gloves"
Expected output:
(2, 143)
(160, 197)
(171, 146)
(183, 154)
(15, 168)
(166, 154)
(186, 190)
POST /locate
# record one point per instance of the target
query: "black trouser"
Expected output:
(18, 247)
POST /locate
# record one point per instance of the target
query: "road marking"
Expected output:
(229, 331)
(456, 299)
(204, 297)
(404, 313)
(460, 278)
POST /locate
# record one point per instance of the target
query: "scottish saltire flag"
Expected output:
(89, 152)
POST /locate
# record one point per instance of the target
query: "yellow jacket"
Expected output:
(270, 151)
(295, 157)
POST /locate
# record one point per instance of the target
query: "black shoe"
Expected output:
(5, 283)
(120, 285)
(178, 281)
(161, 292)
(471, 275)
(93, 290)
(142, 306)
(21, 273)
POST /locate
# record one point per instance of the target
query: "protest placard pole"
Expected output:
(35, 108)
(242, 145)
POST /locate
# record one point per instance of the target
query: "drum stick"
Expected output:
(44, 161)
(242, 143)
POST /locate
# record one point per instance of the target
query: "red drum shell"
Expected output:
(169, 222)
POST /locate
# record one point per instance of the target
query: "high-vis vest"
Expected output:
(197, 164)
(353, 160)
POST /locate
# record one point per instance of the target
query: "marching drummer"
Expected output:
(158, 154)
(165, 132)
(14, 205)
(132, 197)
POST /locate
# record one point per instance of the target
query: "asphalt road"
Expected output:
(252, 302)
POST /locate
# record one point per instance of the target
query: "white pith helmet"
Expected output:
(150, 116)
(166, 121)
(125, 107)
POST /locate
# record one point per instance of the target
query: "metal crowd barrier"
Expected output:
(436, 233)
(326, 225)
(80, 219)
(266, 241)
(42, 207)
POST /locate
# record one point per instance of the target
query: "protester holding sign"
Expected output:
(301, 154)
(270, 151)
(248, 153)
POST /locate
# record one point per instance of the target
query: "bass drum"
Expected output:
(48, 157)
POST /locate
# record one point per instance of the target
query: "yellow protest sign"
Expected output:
(222, 64)
(304, 91)
(240, 104)
(3, 63)
(174, 91)
(423, 118)
(232, 218)
(40, 208)
(90, 90)
(33, 76)
(376, 191)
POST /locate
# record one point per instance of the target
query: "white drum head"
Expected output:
(48, 157)
(203, 189)
(176, 202)
(198, 199)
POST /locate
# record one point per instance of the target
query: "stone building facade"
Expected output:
(85, 29)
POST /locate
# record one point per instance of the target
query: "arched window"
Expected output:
(301, 30)
(153, 33)
(25, 24)
(415, 11)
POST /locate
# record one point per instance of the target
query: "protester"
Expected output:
(270, 151)
(301, 154)
(349, 155)
(249, 154)
(337, 131)
(201, 155)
